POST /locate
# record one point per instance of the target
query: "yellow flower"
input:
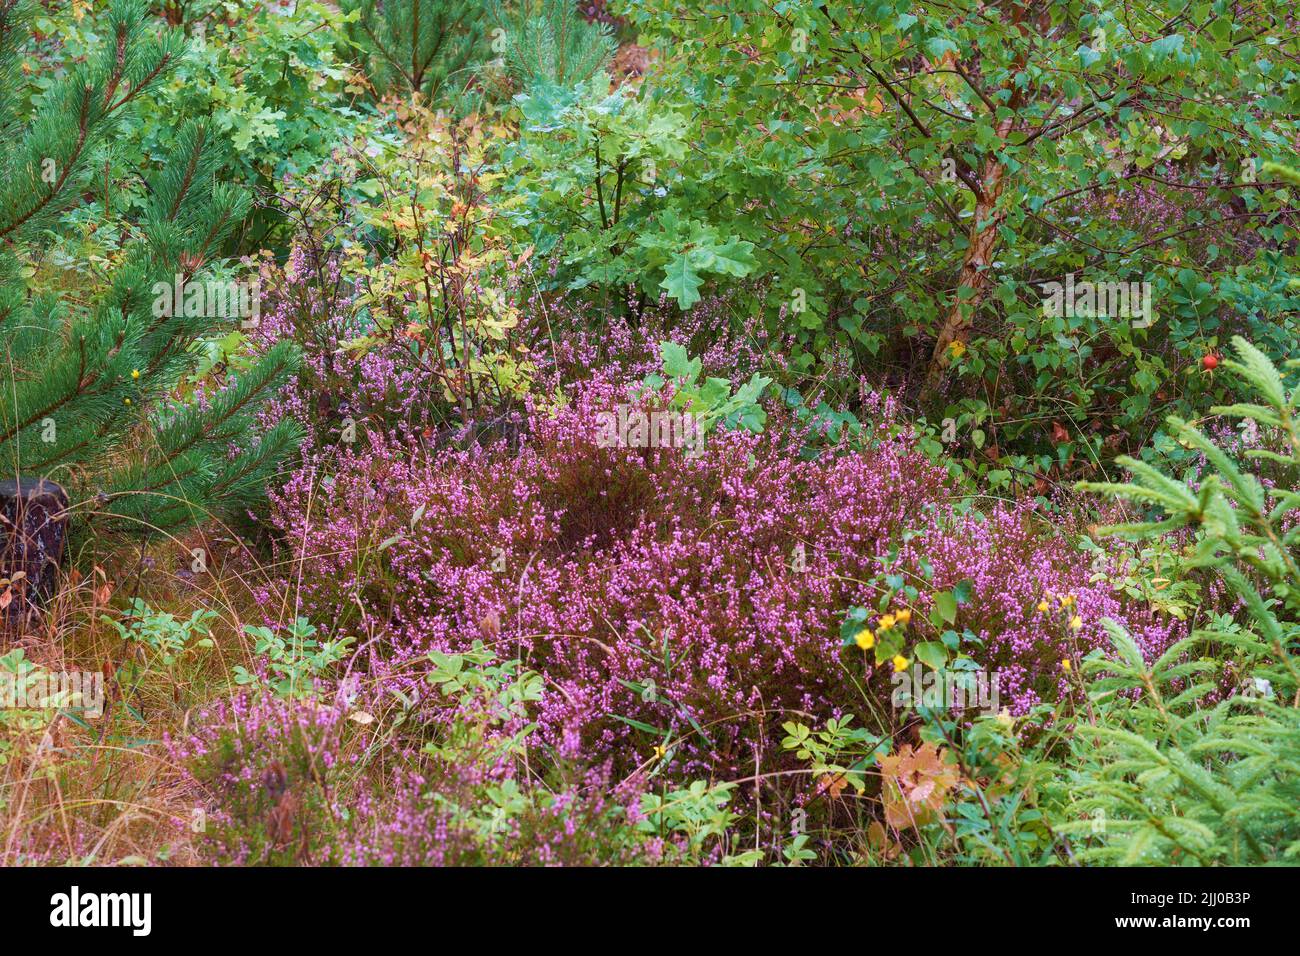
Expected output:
(1044, 606)
(900, 663)
(904, 615)
(1066, 665)
(126, 401)
(1067, 601)
(957, 348)
(1005, 719)
(660, 752)
(1076, 623)
(865, 639)
(135, 373)
(886, 622)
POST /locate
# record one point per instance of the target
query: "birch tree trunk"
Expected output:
(972, 286)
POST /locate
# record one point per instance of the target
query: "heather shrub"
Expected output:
(677, 605)
(1033, 607)
(603, 564)
(287, 780)
(267, 768)
(453, 821)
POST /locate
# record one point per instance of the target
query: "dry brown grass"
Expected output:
(104, 791)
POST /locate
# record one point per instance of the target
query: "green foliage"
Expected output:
(84, 368)
(823, 424)
(295, 660)
(887, 635)
(838, 752)
(275, 87)
(699, 812)
(1141, 572)
(428, 251)
(162, 632)
(712, 402)
(968, 796)
(878, 198)
(21, 677)
(863, 149)
(271, 82)
(1172, 782)
(596, 171)
(996, 814)
(488, 696)
(1176, 775)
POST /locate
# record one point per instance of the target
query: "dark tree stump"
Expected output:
(33, 531)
